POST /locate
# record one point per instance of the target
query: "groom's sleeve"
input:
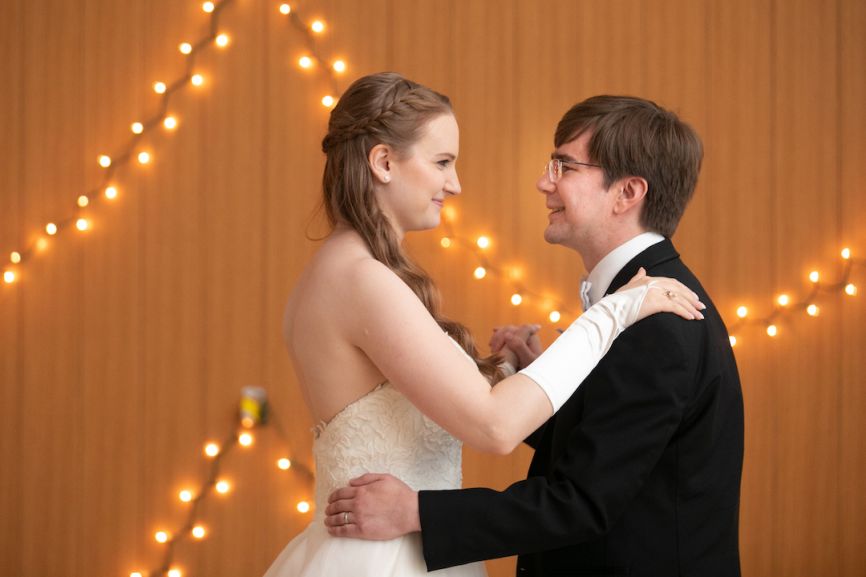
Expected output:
(634, 402)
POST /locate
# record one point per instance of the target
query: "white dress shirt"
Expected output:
(603, 273)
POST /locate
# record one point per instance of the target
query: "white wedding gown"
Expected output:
(382, 432)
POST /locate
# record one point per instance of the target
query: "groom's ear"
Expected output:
(630, 193)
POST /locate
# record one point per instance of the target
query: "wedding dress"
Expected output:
(381, 432)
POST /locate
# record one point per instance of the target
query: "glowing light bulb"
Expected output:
(9, 277)
(197, 79)
(305, 62)
(41, 243)
(211, 449)
(846, 253)
(483, 242)
(742, 312)
(445, 242)
(110, 192)
(339, 66)
(135, 574)
(185, 48)
(516, 299)
(222, 40)
(223, 487)
(137, 128)
(208, 7)
(813, 310)
(199, 532)
(175, 572)
(15, 257)
(284, 464)
(772, 330)
(143, 157)
(449, 212)
(850, 289)
(51, 229)
(328, 101)
(161, 536)
(83, 201)
(82, 224)
(185, 495)
(554, 316)
(170, 122)
(104, 161)
(317, 26)
(159, 87)
(814, 276)
(783, 300)
(733, 340)
(245, 439)
(285, 9)
(480, 272)
(303, 507)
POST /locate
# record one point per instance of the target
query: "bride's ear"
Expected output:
(380, 159)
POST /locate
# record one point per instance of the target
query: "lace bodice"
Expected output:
(382, 432)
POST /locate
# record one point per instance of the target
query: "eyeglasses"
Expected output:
(554, 167)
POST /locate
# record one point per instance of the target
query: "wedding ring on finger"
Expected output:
(345, 517)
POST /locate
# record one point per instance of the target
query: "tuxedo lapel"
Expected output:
(654, 255)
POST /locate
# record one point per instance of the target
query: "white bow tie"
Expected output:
(584, 294)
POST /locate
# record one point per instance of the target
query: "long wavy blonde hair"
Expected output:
(384, 108)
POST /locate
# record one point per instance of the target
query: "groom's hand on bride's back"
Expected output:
(373, 506)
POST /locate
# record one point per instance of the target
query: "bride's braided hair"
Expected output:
(384, 108)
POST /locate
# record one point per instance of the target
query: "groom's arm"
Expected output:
(632, 407)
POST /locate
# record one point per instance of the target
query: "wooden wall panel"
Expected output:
(124, 349)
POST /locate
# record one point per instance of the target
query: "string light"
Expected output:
(104, 161)
(144, 157)
(285, 9)
(208, 7)
(783, 300)
(733, 340)
(772, 330)
(51, 229)
(9, 276)
(445, 242)
(110, 192)
(82, 224)
(15, 257)
(554, 316)
(135, 574)
(328, 101)
(284, 464)
(198, 532)
(814, 276)
(516, 299)
(305, 62)
(846, 253)
(303, 507)
(83, 201)
(196, 79)
(742, 312)
(223, 487)
(161, 536)
(483, 242)
(317, 26)
(245, 439)
(222, 40)
(185, 495)
(813, 310)
(175, 572)
(211, 449)
(159, 87)
(185, 48)
(850, 289)
(480, 272)
(339, 66)
(137, 128)
(170, 122)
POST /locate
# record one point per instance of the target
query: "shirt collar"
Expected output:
(607, 268)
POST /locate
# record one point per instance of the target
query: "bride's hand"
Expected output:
(665, 295)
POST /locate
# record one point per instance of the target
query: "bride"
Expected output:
(394, 385)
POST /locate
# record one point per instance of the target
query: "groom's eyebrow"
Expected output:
(560, 156)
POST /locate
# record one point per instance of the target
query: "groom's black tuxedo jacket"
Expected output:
(638, 474)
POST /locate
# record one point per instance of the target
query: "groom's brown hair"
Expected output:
(633, 136)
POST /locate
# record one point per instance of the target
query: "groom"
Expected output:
(639, 473)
